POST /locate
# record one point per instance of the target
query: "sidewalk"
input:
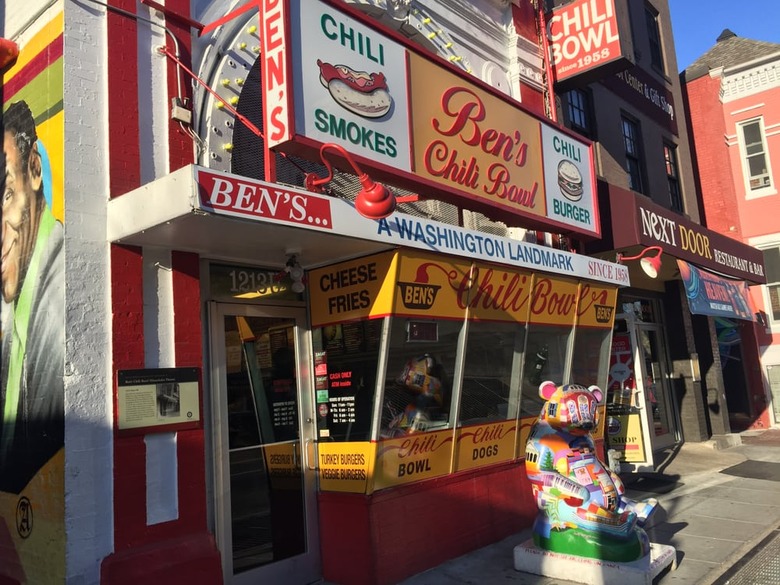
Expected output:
(720, 509)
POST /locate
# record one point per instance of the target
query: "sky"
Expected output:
(696, 24)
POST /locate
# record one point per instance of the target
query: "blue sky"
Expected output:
(696, 24)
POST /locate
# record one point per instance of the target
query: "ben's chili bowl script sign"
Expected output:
(469, 140)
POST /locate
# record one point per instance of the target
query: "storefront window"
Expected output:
(545, 359)
(345, 363)
(491, 372)
(590, 359)
(418, 384)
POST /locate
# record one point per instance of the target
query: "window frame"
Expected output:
(635, 155)
(672, 166)
(774, 319)
(584, 109)
(764, 190)
(653, 30)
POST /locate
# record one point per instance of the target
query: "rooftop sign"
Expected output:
(587, 35)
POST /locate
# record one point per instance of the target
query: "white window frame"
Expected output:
(766, 243)
(769, 189)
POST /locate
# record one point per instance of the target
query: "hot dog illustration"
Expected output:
(360, 92)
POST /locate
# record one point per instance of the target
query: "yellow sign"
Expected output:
(554, 301)
(624, 434)
(597, 306)
(283, 462)
(345, 467)
(475, 142)
(357, 289)
(412, 458)
(421, 284)
(486, 444)
(499, 294)
(432, 285)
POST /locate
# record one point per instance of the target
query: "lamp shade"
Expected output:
(651, 265)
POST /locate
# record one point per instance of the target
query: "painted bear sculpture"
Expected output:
(582, 508)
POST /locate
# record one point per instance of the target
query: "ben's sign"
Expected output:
(586, 35)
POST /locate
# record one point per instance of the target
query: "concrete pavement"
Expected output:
(719, 508)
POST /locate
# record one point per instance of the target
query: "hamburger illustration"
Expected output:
(569, 180)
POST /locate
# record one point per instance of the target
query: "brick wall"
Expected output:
(708, 131)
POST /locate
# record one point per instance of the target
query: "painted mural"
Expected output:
(582, 507)
(32, 310)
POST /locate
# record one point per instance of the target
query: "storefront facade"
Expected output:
(269, 368)
(671, 344)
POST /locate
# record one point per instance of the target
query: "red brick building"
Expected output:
(733, 98)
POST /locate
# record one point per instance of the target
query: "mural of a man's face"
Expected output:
(20, 215)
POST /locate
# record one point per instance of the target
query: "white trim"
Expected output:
(769, 189)
(743, 110)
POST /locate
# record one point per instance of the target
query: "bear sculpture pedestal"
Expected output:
(586, 530)
(530, 559)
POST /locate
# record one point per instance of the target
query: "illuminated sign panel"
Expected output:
(586, 35)
(470, 140)
(410, 118)
(568, 174)
(275, 72)
(351, 84)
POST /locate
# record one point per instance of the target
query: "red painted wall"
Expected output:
(395, 533)
(717, 182)
(182, 550)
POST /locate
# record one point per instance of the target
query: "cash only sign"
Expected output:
(416, 122)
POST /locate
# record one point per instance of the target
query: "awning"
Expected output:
(710, 294)
(635, 220)
(233, 218)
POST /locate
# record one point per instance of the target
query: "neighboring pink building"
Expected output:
(733, 95)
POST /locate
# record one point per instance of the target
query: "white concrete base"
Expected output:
(530, 559)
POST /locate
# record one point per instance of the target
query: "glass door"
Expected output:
(654, 385)
(265, 508)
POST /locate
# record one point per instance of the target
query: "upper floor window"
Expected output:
(772, 266)
(672, 177)
(755, 157)
(654, 37)
(578, 114)
(633, 145)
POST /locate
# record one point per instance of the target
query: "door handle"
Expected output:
(310, 454)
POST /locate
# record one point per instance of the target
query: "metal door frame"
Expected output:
(656, 443)
(307, 565)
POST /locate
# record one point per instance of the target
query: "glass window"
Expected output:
(590, 359)
(772, 265)
(345, 374)
(545, 359)
(672, 178)
(578, 112)
(491, 371)
(756, 161)
(418, 382)
(654, 38)
(632, 145)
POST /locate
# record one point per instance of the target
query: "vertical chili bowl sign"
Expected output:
(350, 84)
(588, 35)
